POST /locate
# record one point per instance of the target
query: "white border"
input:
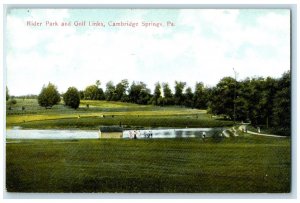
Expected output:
(166, 4)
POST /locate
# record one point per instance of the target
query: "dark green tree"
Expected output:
(282, 105)
(188, 98)
(258, 100)
(157, 94)
(72, 98)
(48, 96)
(200, 96)
(222, 99)
(168, 98)
(270, 89)
(121, 90)
(139, 93)
(81, 94)
(245, 92)
(110, 91)
(93, 92)
(178, 96)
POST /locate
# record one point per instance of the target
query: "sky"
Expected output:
(203, 45)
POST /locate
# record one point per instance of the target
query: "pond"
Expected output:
(51, 134)
(173, 133)
(127, 134)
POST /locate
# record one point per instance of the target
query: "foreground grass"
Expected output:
(241, 164)
(106, 113)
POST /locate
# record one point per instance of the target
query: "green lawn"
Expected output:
(240, 165)
(106, 113)
(247, 163)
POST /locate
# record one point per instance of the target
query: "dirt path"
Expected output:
(242, 127)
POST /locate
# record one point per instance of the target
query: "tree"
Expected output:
(282, 105)
(188, 98)
(48, 96)
(200, 96)
(121, 89)
(255, 100)
(72, 98)
(258, 100)
(270, 89)
(168, 96)
(245, 93)
(110, 92)
(7, 94)
(93, 92)
(81, 94)
(157, 94)
(178, 96)
(12, 101)
(222, 98)
(139, 93)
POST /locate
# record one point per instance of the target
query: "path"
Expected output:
(241, 127)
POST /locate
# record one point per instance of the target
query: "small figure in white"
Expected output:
(258, 129)
(203, 134)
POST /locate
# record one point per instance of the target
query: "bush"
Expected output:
(49, 96)
(12, 102)
(72, 98)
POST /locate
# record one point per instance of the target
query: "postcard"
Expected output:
(136, 100)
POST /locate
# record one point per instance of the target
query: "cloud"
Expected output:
(204, 46)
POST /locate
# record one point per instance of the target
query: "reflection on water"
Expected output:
(173, 133)
(178, 134)
(51, 134)
(167, 133)
(140, 134)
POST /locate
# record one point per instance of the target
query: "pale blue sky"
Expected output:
(203, 46)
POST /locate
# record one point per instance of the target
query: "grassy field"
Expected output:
(106, 113)
(240, 165)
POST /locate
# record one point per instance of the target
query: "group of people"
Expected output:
(134, 134)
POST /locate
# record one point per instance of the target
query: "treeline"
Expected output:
(139, 93)
(261, 101)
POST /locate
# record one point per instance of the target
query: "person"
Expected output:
(134, 134)
(148, 134)
(258, 129)
(203, 134)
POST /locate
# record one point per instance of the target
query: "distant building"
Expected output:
(106, 132)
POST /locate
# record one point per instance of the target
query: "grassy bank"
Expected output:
(240, 164)
(93, 122)
(106, 113)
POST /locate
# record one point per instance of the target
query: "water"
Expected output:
(173, 133)
(51, 134)
(17, 133)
